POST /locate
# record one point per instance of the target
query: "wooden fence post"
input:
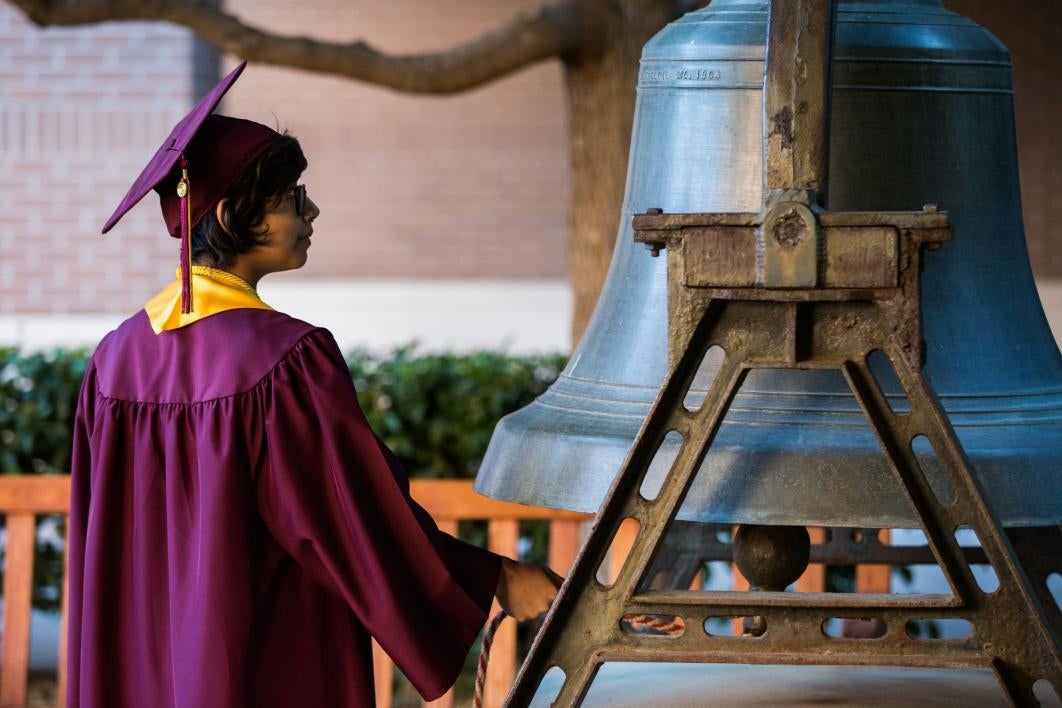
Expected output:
(502, 537)
(18, 592)
(447, 699)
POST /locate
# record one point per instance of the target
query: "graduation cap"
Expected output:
(194, 167)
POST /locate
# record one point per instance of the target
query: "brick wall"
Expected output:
(78, 116)
(467, 186)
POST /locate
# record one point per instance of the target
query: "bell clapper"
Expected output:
(771, 558)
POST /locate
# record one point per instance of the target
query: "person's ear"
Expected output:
(221, 212)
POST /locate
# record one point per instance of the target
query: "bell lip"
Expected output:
(544, 457)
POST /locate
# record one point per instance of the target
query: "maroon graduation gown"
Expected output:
(237, 532)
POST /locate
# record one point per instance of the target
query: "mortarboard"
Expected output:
(194, 167)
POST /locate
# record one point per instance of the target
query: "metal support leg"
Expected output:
(1011, 630)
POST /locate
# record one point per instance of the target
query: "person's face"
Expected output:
(287, 237)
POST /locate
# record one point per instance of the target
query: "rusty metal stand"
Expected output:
(1016, 629)
(796, 287)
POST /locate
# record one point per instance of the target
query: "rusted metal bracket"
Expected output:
(796, 95)
(792, 252)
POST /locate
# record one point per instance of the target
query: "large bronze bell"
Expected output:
(921, 111)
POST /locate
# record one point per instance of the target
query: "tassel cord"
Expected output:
(184, 191)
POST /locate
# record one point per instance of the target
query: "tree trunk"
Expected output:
(601, 92)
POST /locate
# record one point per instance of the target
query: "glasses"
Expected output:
(298, 193)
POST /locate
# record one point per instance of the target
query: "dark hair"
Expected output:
(257, 191)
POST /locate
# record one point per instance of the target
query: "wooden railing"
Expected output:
(23, 498)
(451, 501)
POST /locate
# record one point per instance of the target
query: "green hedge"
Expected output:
(436, 411)
(38, 393)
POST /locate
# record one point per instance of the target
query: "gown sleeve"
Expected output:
(338, 501)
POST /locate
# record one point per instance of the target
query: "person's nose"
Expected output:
(311, 211)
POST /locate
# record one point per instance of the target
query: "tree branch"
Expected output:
(548, 31)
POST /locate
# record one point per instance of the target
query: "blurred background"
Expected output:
(445, 219)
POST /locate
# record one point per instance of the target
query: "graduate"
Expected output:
(237, 532)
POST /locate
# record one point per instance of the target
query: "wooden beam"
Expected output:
(564, 544)
(447, 699)
(874, 577)
(502, 537)
(454, 499)
(814, 578)
(64, 611)
(18, 591)
(35, 494)
(383, 673)
(621, 547)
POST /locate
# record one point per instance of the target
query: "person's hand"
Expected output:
(526, 591)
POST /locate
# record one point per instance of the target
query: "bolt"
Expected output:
(929, 208)
(789, 229)
(654, 211)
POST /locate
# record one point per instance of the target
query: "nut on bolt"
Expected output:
(654, 248)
